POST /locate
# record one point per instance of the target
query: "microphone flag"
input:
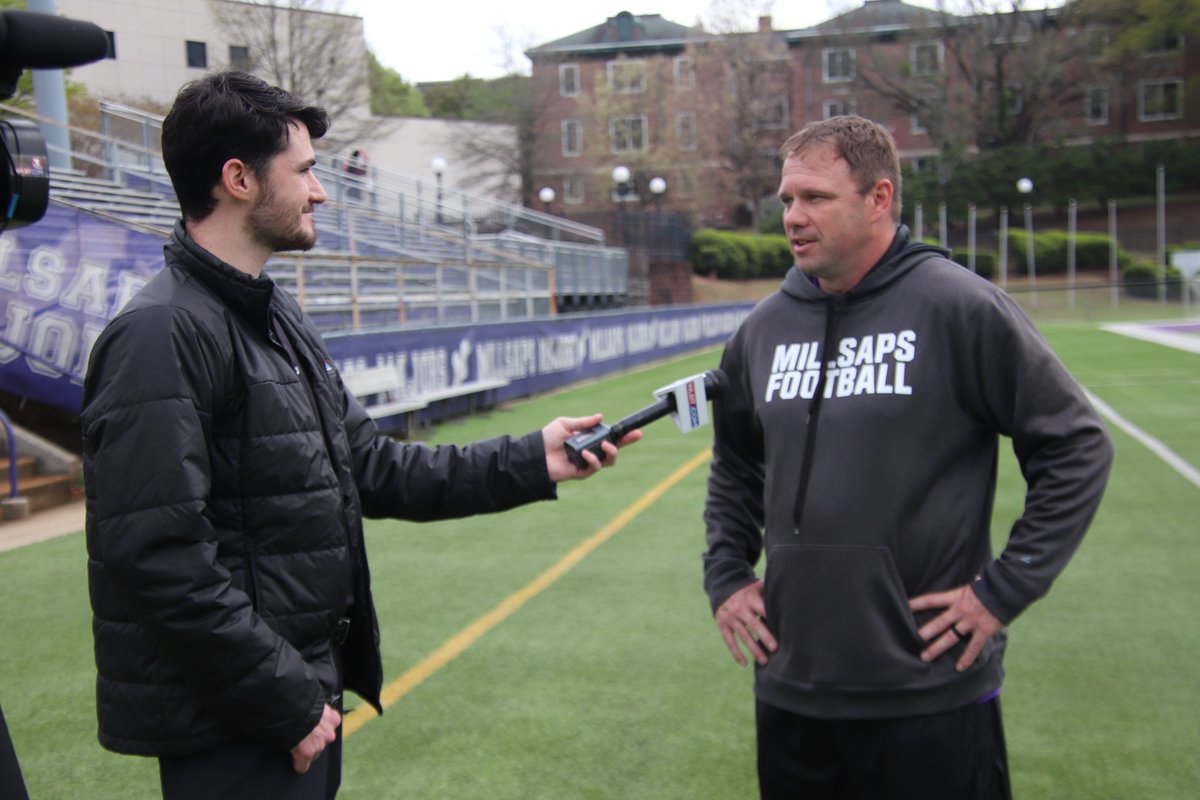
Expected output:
(691, 402)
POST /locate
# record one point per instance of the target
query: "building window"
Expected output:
(771, 113)
(573, 189)
(197, 55)
(568, 80)
(627, 77)
(685, 73)
(684, 185)
(685, 127)
(840, 107)
(112, 44)
(927, 59)
(838, 64)
(1169, 43)
(572, 137)
(239, 57)
(1095, 105)
(1096, 43)
(915, 125)
(627, 134)
(1159, 100)
(1014, 97)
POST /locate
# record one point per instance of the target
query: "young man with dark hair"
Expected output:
(856, 445)
(228, 471)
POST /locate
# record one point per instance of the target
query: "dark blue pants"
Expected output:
(244, 770)
(12, 784)
(955, 755)
(247, 770)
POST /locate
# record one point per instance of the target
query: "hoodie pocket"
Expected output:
(842, 618)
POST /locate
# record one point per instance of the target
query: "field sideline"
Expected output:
(588, 665)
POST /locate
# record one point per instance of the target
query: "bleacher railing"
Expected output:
(577, 250)
(387, 215)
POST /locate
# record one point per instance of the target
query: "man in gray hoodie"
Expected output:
(857, 444)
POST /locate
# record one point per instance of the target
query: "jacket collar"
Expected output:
(248, 296)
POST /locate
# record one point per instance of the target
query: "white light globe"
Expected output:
(1024, 186)
(546, 195)
(620, 173)
(658, 185)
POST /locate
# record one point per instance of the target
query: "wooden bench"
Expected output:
(378, 389)
(476, 392)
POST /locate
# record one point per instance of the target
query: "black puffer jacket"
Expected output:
(224, 512)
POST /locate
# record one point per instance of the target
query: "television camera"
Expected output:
(31, 40)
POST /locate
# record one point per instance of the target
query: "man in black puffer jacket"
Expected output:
(228, 471)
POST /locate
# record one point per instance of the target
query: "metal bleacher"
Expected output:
(112, 199)
(391, 250)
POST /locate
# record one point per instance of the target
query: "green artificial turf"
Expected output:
(613, 683)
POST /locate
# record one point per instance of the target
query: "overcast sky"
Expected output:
(427, 40)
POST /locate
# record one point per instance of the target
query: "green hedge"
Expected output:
(985, 262)
(738, 256)
(1141, 280)
(1050, 251)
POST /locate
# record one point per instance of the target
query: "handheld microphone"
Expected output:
(43, 41)
(668, 403)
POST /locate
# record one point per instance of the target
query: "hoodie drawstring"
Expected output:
(833, 311)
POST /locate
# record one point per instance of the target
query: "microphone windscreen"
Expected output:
(44, 41)
(714, 383)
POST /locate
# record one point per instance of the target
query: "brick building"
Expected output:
(706, 112)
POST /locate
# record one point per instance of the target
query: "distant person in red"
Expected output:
(228, 471)
(356, 168)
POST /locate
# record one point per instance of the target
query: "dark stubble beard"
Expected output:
(278, 227)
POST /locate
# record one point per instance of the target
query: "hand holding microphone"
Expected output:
(684, 399)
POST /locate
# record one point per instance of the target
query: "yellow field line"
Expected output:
(458, 643)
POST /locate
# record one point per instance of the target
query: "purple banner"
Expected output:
(536, 356)
(61, 281)
(64, 277)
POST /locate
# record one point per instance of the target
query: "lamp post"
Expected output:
(546, 195)
(658, 186)
(620, 176)
(438, 165)
(1025, 186)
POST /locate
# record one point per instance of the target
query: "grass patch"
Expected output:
(613, 683)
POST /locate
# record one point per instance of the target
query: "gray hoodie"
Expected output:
(886, 491)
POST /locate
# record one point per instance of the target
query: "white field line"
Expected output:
(1149, 333)
(1169, 456)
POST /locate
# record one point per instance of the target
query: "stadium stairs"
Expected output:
(47, 476)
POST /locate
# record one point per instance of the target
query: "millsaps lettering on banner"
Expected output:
(511, 359)
(56, 310)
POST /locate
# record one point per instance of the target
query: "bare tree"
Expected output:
(973, 75)
(503, 156)
(987, 75)
(1128, 40)
(749, 114)
(496, 141)
(625, 116)
(309, 48)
